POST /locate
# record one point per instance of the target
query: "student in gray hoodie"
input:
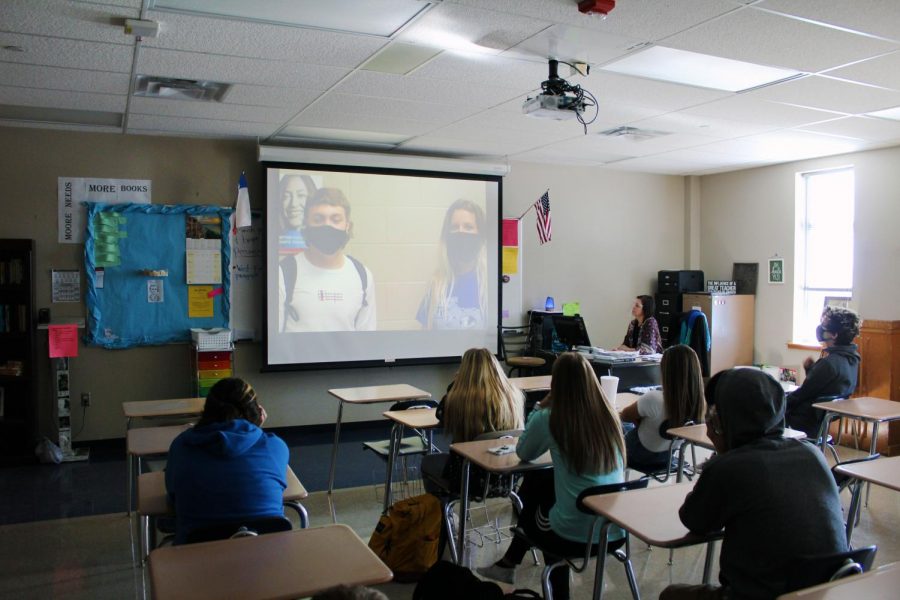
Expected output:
(774, 497)
(834, 374)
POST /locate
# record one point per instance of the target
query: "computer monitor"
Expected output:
(571, 331)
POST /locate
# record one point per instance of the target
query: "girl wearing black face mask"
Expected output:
(457, 294)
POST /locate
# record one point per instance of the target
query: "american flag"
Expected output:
(542, 208)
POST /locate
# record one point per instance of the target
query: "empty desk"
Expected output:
(147, 441)
(158, 409)
(883, 471)
(419, 419)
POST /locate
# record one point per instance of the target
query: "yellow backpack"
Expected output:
(407, 538)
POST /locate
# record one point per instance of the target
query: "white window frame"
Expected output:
(801, 290)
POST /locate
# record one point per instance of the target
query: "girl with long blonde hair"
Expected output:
(479, 400)
(582, 431)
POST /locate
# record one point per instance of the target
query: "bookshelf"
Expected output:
(18, 357)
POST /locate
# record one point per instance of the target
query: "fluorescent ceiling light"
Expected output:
(399, 58)
(889, 113)
(36, 114)
(372, 17)
(701, 70)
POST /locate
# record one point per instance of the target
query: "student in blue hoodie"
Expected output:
(226, 468)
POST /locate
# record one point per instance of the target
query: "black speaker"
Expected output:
(677, 282)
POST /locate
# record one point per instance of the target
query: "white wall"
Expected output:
(612, 232)
(748, 216)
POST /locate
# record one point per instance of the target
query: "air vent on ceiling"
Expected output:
(180, 89)
(633, 133)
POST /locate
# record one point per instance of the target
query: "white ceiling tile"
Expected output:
(660, 163)
(210, 110)
(687, 123)
(751, 110)
(202, 126)
(830, 94)
(436, 143)
(623, 89)
(266, 95)
(571, 44)
(644, 19)
(62, 99)
(376, 108)
(230, 37)
(73, 54)
(453, 26)
(77, 80)
(863, 128)
(72, 20)
(356, 122)
(883, 71)
(385, 85)
(875, 17)
(513, 122)
(483, 128)
(475, 70)
(229, 69)
(544, 156)
(784, 145)
(587, 145)
(127, 3)
(773, 40)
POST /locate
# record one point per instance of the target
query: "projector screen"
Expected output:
(374, 266)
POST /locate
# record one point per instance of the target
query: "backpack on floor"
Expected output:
(406, 539)
(447, 581)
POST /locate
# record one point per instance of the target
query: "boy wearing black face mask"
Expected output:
(322, 288)
(832, 375)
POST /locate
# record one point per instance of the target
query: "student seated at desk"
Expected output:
(643, 331)
(226, 468)
(479, 400)
(774, 497)
(582, 431)
(679, 401)
(832, 375)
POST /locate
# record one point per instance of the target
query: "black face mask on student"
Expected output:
(820, 333)
(325, 238)
(463, 248)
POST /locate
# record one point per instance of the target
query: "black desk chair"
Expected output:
(590, 548)
(240, 528)
(823, 438)
(844, 482)
(807, 571)
(662, 470)
(515, 345)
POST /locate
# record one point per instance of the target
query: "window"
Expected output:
(823, 245)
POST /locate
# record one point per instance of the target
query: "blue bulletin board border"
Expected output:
(152, 236)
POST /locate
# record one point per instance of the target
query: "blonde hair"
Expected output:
(442, 282)
(482, 398)
(682, 385)
(583, 421)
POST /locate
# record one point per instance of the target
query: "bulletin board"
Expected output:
(153, 272)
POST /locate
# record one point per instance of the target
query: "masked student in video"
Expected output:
(457, 293)
(323, 288)
(834, 374)
(225, 467)
(293, 189)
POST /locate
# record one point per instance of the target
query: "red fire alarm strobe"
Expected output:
(596, 7)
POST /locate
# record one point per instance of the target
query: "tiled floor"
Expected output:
(90, 557)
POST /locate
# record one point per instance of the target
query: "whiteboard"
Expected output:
(247, 281)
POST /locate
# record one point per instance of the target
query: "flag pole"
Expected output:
(531, 206)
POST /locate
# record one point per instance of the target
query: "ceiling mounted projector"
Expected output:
(560, 100)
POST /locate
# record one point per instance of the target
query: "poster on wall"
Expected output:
(776, 270)
(72, 191)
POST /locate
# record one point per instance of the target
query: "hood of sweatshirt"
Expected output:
(227, 438)
(750, 404)
(850, 352)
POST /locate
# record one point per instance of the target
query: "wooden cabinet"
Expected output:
(18, 358)
(731, 322)
(879, 371)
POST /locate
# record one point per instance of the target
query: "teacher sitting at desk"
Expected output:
(643, 331)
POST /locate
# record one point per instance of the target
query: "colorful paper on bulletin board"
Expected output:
(200, 301)
(63, 340)
(510, 232)
(510, 261)
(570, 309)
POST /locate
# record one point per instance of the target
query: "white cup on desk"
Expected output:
(610, 385)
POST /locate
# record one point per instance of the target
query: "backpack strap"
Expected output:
(364, 280)
(288, 266)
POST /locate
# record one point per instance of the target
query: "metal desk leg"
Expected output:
(707, 564)
(393, 451)
(680, 475)
(854, 508)
(463, 511)
(129, 483)
(301, 513)
(873, 448)
(601, 561)
(334, 452)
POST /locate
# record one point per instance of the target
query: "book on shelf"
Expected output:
(11, 271)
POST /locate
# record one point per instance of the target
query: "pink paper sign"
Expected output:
(63, 340)
(510, 232)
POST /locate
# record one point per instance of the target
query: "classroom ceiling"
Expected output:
(449, 77)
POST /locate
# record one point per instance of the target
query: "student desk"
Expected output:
(153, 502)
(696, 435)
(879, 584)
(650, 514)
(882, 471)
(538, 383)
(365, 395)
(157, 409)
(477, 453)
(419, 419)
(868, 409)
(289, 564)
(147, 441)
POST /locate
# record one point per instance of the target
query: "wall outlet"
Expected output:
(85, 399)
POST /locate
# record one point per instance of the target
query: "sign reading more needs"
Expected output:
(72, 191)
